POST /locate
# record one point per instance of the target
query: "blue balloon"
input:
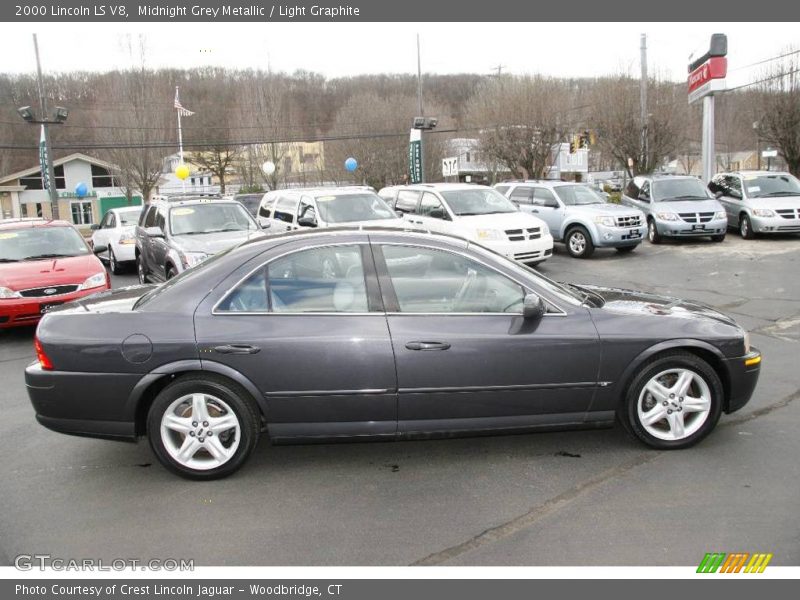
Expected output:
(351, 164)
(81, 190)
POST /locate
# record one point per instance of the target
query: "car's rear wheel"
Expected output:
(579, 243)
(141, 270)
(652, 232)
(745, 227)
(115, 267)
(673, 402)
(626, 249)
(203, 427)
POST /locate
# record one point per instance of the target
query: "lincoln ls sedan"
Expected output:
(378, 334)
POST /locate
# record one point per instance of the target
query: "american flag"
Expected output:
(181, 111)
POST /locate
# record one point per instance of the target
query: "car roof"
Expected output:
(32, 223)
(545, 182)
(316, 192)
(444, 187)
(754, 172)
(659, 176)
(195, 201)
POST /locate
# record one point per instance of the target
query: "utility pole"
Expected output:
(643, 99)
(499, 69)
(51, 175)
(421, 111)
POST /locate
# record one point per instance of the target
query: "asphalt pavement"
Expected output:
(568, 498)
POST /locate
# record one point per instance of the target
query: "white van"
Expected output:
(286, 210)
(474, 212)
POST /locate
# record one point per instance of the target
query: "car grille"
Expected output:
(47, 292)
(788, 213)
(789, 228)
(700, 217)
(629, 221)
(520, 235)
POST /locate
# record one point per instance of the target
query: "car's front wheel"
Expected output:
(673, 402)
(115, 267)
(652, 232)
(140, 269)
(203, 427)
(745, 227)
(579, 243)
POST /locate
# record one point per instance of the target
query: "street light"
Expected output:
(59, 116)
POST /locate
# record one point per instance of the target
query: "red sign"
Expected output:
(715, 67)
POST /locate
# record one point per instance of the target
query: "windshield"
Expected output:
(128, 217)
(679, 189)
(36, 243)
(212, 217)
(349, 208)
(771, 186)
(478, 201)
(250, 202)
(578, 195)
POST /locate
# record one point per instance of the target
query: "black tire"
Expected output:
(243, 406)
(652, 232)
(170, 272)
(141, 269)
(745, 227)
(579, 243)
(626, 249)
(718, 238)
(628, 414)
(113, 265)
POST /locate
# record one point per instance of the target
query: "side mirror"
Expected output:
(532, 307)
(399, 213)
(307, 221)
(436, 213)
(154, 232)
(100, 249)
(94, 227)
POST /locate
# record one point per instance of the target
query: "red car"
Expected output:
(42, 264)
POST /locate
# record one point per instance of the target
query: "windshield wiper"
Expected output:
(51, 255)
(770, 194)
(8, 260)
(687, 197)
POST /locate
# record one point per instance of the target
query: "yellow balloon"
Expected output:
(182, 172)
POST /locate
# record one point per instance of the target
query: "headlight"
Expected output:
(489, 234)
(720, 215)
(127, 240)
(763, 212)
(746, 343)
(94, 281)
(190, 259)
(665, 216)
(6, 293)
(607, 221)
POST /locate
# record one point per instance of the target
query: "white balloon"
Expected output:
(268, 167)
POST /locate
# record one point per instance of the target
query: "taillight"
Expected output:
(43, 359)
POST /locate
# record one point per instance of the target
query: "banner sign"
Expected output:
(415, 156)
(43, 161)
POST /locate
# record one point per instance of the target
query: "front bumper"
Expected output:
(18, 312)
(614, 237)
(743, 375)
(681, 228)
(536, 250)
(774, 225)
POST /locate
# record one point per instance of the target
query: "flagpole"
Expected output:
(180, 141)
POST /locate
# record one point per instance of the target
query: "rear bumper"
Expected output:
(85, 404)
(19, 312)
(743, 375)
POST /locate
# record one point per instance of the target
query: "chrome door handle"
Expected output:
(237, 349)
(428, 346)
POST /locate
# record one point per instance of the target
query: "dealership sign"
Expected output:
(415, 156)
(708, 78)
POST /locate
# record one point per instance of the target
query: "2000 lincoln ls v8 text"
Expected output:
(378, 334)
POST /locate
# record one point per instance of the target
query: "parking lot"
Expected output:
(570, 498)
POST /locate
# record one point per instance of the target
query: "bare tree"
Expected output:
(520, 119)
(780, 111)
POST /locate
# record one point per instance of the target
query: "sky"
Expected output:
(342, 49)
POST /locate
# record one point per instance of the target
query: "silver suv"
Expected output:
(759, 201)
(578, 215)
(676, 206)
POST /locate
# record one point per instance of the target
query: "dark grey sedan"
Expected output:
(378, 334)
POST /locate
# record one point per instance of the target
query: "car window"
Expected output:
(502, 189)
(150, 216)
(161, 220)
(306, 208)
(679, 188)
(210, 217)
(329, 279)
(579, 195)
(406, 201)
(351, 208)
(632, 189)
(477, 201)
(770, 186)
(453, 283)
(431, 206)
(265, 210)
(521, 195)
(127, 217)
(644, 191)
(32, 243)
(112, 221)
(285, 209)
(544, 197)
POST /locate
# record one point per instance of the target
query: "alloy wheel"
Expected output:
(577, 243)
(200, 431)
(140, 270)
(674, 404)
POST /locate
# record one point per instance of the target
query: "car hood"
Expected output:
(679, 206)
(614, 210)
(776, 203)
(211, 243)
(386, 222)
(512, 220)
(644, 303)
(29, 274)
(110, 301)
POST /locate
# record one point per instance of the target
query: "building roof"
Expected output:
(57, 163)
